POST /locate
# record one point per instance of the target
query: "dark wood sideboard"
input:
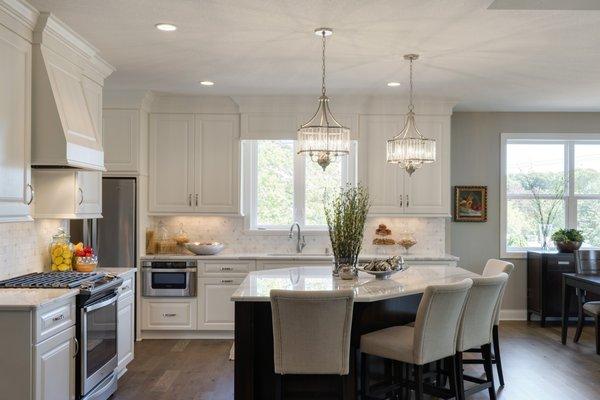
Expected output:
(544, 283)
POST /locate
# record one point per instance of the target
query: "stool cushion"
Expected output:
(592, 307)
(395, 343)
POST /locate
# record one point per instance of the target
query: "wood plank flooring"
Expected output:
(536, 367)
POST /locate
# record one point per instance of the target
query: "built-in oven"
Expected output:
(169, 278)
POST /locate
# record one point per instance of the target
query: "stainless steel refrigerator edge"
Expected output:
(114, 235)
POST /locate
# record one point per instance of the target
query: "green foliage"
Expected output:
(275, 186)
(567, 235)
(346, 214)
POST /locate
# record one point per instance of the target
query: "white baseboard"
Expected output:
(187, 335)
(513, 315)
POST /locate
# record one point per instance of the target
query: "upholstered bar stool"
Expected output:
(476, 330)
(588, 262)
(311, 333)
(432, 338)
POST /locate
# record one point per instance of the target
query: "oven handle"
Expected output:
(150, 269)
(95, 306)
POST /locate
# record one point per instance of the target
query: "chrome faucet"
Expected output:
(301, 243)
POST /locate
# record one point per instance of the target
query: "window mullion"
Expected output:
(299, 187)
(571, 211)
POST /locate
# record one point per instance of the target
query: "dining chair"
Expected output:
(432, 338)
(587, 262)
(311, 333)
(475, 331)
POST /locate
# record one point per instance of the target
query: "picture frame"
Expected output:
(470, 203)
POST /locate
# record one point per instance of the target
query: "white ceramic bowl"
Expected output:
(205, 248)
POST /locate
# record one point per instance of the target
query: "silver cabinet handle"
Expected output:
(168, 315)
(401, 200)
(58, 318)
(31, 193)
(226, 269)
(196, 199)
(81, 200)
(407, 202)
(563, 263)
(76, 347)
(190, 199)
(226, 280)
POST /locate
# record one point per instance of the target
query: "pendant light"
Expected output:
(323, 138)
(410, 148)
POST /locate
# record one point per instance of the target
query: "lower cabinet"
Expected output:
(215, 309)
(54, 369)
(170, 314)
(125, 331)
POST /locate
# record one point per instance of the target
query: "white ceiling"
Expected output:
(484, 59)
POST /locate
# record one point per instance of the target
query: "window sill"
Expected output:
(285, 232)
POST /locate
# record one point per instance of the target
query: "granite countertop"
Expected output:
(15, 299)
(257, 285)
(295, 256)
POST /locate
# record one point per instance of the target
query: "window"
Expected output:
(548, 182)
(283, 187)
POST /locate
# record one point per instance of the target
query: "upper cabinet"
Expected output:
(393, 192)
(121, 140)
(15, 129)
(194, 164)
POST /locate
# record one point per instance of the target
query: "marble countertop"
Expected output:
(295, 256)
(14, 299)
(258, 284)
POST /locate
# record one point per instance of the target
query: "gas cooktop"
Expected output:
(46, 280)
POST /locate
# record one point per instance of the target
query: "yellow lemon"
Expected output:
(54, 267)
(58, 260)
(56, 251)
(67, 254)
(64, 267)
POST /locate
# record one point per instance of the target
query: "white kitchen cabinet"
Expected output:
(392, 191)
(262, 265)
(125, 332)
(54, 367)
(216, 311)
(169, 314)
(66, 193)
(15, 127)
(194, 164)
(121, 140)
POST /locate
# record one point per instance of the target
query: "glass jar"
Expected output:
(406, 240)
(61, 251)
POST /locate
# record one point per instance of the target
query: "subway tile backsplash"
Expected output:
(428, 232)
(24, 246)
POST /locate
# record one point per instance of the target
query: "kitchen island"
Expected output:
(378, 304)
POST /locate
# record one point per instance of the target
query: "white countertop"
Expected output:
(294, 256)
(14, 299)
(258, 284)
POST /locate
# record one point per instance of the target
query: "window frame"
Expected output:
(570, 198)
(249, 188)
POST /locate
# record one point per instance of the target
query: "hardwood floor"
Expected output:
(536, 366)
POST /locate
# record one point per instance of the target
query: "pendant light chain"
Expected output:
(411, 106)
(323, 65)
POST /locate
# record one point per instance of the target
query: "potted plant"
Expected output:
(567, 240)
(346, 214)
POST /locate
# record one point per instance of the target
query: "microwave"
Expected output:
(169, 278)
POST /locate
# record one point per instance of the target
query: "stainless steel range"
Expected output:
(96, 326)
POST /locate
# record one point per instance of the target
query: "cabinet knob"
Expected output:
(31, 194)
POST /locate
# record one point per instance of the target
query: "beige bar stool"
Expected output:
(476, 331)
(432, 338)
(311, 333)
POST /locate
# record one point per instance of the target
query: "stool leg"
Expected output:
(418, 382)
(497, 355)
(597, 320)
(363, 375)
(451, 367)
(489, 372)
(460, 383)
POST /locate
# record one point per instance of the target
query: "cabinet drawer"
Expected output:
(561, 263)
(229, 268)
(169, 314)
(127, 287)
(53, 319)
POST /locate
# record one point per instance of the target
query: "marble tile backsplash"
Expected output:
(24, 246)
(428, 232)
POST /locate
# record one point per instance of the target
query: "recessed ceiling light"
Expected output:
(207, 83)
(393, 84)
(166, 27)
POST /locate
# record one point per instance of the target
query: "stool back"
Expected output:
(494, 267)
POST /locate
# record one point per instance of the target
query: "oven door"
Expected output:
(169, 282)
(98, 341)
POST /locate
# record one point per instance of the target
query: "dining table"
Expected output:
(573, 282)
(378, 304)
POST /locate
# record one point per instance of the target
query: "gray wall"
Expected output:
(476, 161)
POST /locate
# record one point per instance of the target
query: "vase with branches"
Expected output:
(346, 215)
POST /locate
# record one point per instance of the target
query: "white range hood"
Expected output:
(67, 80)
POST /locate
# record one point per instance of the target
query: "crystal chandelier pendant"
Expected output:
(410, 149)
(323, 138)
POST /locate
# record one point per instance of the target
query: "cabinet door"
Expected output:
(216, 310)
(15, 126)
(384, 180)
(125, 332)
(120, 135)
(171, 180)
(427, 191)
(55, 367)
(216, 163)
(88, 195)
